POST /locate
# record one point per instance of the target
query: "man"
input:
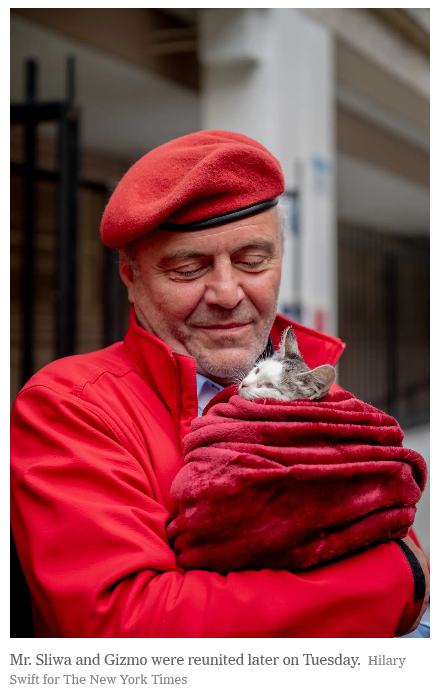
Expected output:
(97, 438)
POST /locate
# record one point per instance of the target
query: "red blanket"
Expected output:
(290, 484)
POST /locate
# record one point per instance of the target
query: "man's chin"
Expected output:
(224, 359)
(230, 366)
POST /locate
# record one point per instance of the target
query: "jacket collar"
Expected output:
(316, 348)
(173, 376)
(170, 374)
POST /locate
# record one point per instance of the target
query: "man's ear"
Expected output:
(318, 381)
(289, 345)
(126, 274)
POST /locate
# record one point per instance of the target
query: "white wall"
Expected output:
(371, 197)
(269, 74)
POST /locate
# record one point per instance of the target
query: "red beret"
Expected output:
(195, 182)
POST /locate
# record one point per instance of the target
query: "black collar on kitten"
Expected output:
(268, 352)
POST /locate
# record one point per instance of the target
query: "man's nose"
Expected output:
(223, 286)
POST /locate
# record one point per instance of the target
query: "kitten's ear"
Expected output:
(288, 345)
(318, 381)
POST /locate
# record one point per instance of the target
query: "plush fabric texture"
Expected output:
(190, 179)
(273, 484)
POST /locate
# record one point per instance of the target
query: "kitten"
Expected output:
(286, 376)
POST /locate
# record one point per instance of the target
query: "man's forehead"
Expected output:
(262, 231)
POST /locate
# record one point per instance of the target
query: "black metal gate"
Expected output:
(384, 304)
(65, 257)
(67, 185)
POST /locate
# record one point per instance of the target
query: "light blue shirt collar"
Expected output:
(206, 390)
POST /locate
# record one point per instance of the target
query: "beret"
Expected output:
(194, 182)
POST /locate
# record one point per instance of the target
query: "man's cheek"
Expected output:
(264, 298)
(177, 304)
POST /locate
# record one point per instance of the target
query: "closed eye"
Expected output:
(254, 265)
(266, 385)
(187, 273)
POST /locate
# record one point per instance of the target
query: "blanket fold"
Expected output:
(274, 484)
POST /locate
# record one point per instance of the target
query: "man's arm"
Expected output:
(419, 565)
(92, 541)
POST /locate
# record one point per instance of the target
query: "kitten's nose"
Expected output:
(244, 385)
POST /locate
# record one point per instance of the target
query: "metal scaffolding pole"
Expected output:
(30, 114)
(65, 312)
(27, 367)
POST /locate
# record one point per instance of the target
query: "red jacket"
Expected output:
(96, 443)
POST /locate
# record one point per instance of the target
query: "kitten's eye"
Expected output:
(266, 385)
(256, 371)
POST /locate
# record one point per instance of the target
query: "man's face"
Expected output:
(210, 294)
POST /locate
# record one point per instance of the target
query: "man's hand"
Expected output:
(423, 563)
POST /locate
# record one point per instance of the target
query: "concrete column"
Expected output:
(269, 74)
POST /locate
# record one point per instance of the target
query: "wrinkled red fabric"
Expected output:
(290, 484)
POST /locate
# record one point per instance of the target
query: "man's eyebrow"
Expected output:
(267, 246)
(180, 255)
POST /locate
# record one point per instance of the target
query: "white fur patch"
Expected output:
(262, 381)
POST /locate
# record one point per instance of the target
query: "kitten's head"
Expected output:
(286, 376)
